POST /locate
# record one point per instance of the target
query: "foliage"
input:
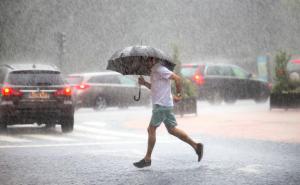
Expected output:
(282, 81)
(188, 88)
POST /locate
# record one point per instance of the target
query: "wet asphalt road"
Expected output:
(101, 151)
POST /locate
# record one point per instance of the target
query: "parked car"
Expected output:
(218, 82)
(293, 69)
(106, 89)
(35, 93)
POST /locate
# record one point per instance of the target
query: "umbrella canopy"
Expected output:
(133, 60)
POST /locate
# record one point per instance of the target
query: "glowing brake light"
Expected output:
(8, 91)
(199, 79)
(64, 92)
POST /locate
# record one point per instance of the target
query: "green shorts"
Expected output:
(163, 114)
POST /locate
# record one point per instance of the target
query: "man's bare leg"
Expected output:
(146, 161)
(151, 142)
(183, 136)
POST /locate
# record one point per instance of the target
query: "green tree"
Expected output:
(281, 76)
(188, 88)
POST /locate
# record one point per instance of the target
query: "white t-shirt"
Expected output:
(161, 85)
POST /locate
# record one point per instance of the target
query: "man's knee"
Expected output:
(151, 130)
(171, 130)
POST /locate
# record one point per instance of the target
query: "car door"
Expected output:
(107, 86)
(219, 79)
(243, 82)
(229, 87)
(129, 90)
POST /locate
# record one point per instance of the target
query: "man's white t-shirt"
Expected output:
(161, 85)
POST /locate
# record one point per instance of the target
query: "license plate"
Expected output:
(39, 95)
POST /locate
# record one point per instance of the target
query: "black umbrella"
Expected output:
(133, 60)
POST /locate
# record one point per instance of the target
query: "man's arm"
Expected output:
(143, 82)
(178, 86)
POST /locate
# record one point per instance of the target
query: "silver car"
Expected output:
(293, 69)
(106, 89)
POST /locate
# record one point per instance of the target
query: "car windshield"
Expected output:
(188, 71)
(75, 79)
(35, 78)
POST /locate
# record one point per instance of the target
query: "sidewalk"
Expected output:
(275, 125)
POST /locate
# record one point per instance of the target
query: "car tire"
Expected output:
(67, 124)
(261, 99)
(123, 107)
(50, 126)
(215, 98)
(229, 99)
(3, 126)
(100, 103)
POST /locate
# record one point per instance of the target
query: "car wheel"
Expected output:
(50, 125)
(215, 98)
(3, 125)
(67, 124)
(261, 99)
(123, 107)
(229, 99)
(100, 103)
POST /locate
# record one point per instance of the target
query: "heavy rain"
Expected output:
(78, 105)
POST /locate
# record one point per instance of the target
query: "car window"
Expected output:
(213, 70)
(127, 81)
(291, 66)
(240, 73)
(220, 71)
(35, 78)
(226, 71)
(75, 79)
(107, 79)
(188, 71)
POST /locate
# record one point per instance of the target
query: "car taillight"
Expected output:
(82, 86)
(8, 91)
(198, 79)
(64, 92)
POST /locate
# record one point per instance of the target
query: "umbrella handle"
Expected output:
(139, 97)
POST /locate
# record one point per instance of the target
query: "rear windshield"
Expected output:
(35, 78)
(188, 71)
(74, 79)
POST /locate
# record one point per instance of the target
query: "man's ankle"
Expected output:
(147, 159)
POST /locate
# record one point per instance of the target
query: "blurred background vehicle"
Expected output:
(106, 89)
(293, 69)
(225, 82)
(35, 93)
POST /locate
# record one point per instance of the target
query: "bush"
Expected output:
(281, 76)
(189, 90)
(282, 81)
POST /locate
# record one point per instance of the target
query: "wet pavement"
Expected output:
(104, 145)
